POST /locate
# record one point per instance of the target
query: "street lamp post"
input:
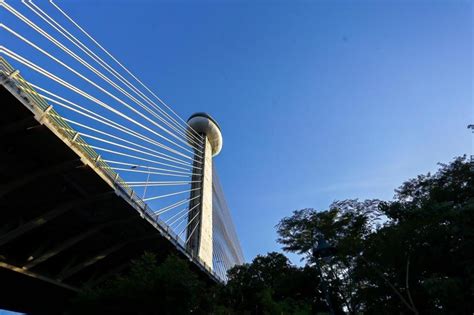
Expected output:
(146, 184)
(147, 178)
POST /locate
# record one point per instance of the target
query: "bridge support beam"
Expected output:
(206, 246)
(48, 216)
(71, 242)
(89, 262)
(35, 275)
(200, 220)
(55, 251)
(35, 223)
(25, 179)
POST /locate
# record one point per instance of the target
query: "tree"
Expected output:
(410, 255)
(345, 225)
(149, 288)
(271, 285)
(426, 247)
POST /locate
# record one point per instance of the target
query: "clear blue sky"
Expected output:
(317, 100)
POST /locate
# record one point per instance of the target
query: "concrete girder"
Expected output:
(23, 180)
(65, 245)
(17, 126)
(89, 262)
(98, 257)
(71, 242)
(35, 275)
(48, 216)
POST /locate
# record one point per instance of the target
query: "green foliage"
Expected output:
(430, 235)
(271, 285)
(149, 288)
(414, 254)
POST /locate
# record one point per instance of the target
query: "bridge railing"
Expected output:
(45, 112)
(31, 96)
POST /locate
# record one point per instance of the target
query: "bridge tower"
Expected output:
(200, 218)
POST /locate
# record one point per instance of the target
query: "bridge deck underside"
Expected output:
(61, 225)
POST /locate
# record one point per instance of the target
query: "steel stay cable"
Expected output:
(104, 64)
(143, 172)
(77, 90)
(179, 212)
(75, 56)
(131, 156)
(126, 141)
(174, 205)
(123, 67)
(176, 214)
(82, 134)
(113, 124)
(49, 37)
(176, 220)
(171, 194)
(106, 92)
(157, 185)
(194, 229)
(159, 182)
(135, 165)
(189, 222)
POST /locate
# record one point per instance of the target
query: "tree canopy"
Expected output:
(270, 284)
(414, 254)
(411, 255)
(169, 287)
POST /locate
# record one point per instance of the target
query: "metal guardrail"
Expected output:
(10, 76)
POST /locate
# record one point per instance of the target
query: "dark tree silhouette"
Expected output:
(271, 285)
(414, 254)
(149, 288)
(411, 255)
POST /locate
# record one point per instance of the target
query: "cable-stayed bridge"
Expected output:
(95, 168)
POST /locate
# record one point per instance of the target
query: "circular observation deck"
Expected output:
(203, 123)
